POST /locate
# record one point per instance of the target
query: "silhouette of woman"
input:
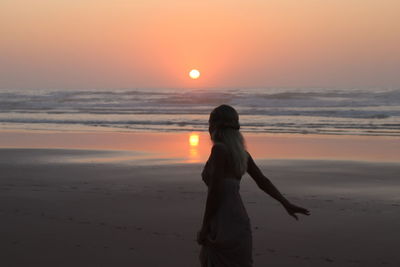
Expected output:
(225, 235)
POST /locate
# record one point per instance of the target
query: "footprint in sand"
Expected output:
(353, 261)
(328, 259)
(84, 222)
(121, 227)
(158, 233)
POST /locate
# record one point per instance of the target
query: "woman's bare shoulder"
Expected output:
(219, 154)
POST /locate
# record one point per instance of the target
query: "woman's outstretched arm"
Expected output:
(268, 187)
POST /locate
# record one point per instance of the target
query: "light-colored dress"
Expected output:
(229, 243)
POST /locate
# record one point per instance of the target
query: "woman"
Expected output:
(225, 234)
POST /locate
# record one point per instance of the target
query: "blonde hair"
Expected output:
(225, 121)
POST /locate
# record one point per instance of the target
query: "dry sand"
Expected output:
(57, 212)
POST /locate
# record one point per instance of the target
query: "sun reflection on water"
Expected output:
(193, 149)
(194, 139)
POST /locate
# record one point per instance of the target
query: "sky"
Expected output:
(89, 44)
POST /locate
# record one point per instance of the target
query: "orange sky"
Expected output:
(154, 43)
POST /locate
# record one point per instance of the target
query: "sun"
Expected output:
(194, 74)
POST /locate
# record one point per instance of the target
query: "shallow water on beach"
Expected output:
(145, 148)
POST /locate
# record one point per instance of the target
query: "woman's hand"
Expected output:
(293, 209)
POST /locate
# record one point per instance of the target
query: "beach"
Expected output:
(70, 206)
(107, 109)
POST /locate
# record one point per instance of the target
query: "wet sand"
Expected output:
(59, 208)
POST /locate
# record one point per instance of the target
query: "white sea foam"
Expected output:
(315, 110)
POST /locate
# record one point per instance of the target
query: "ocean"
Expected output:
(265, 110)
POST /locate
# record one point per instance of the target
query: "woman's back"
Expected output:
(229, 241)
(229, 170)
